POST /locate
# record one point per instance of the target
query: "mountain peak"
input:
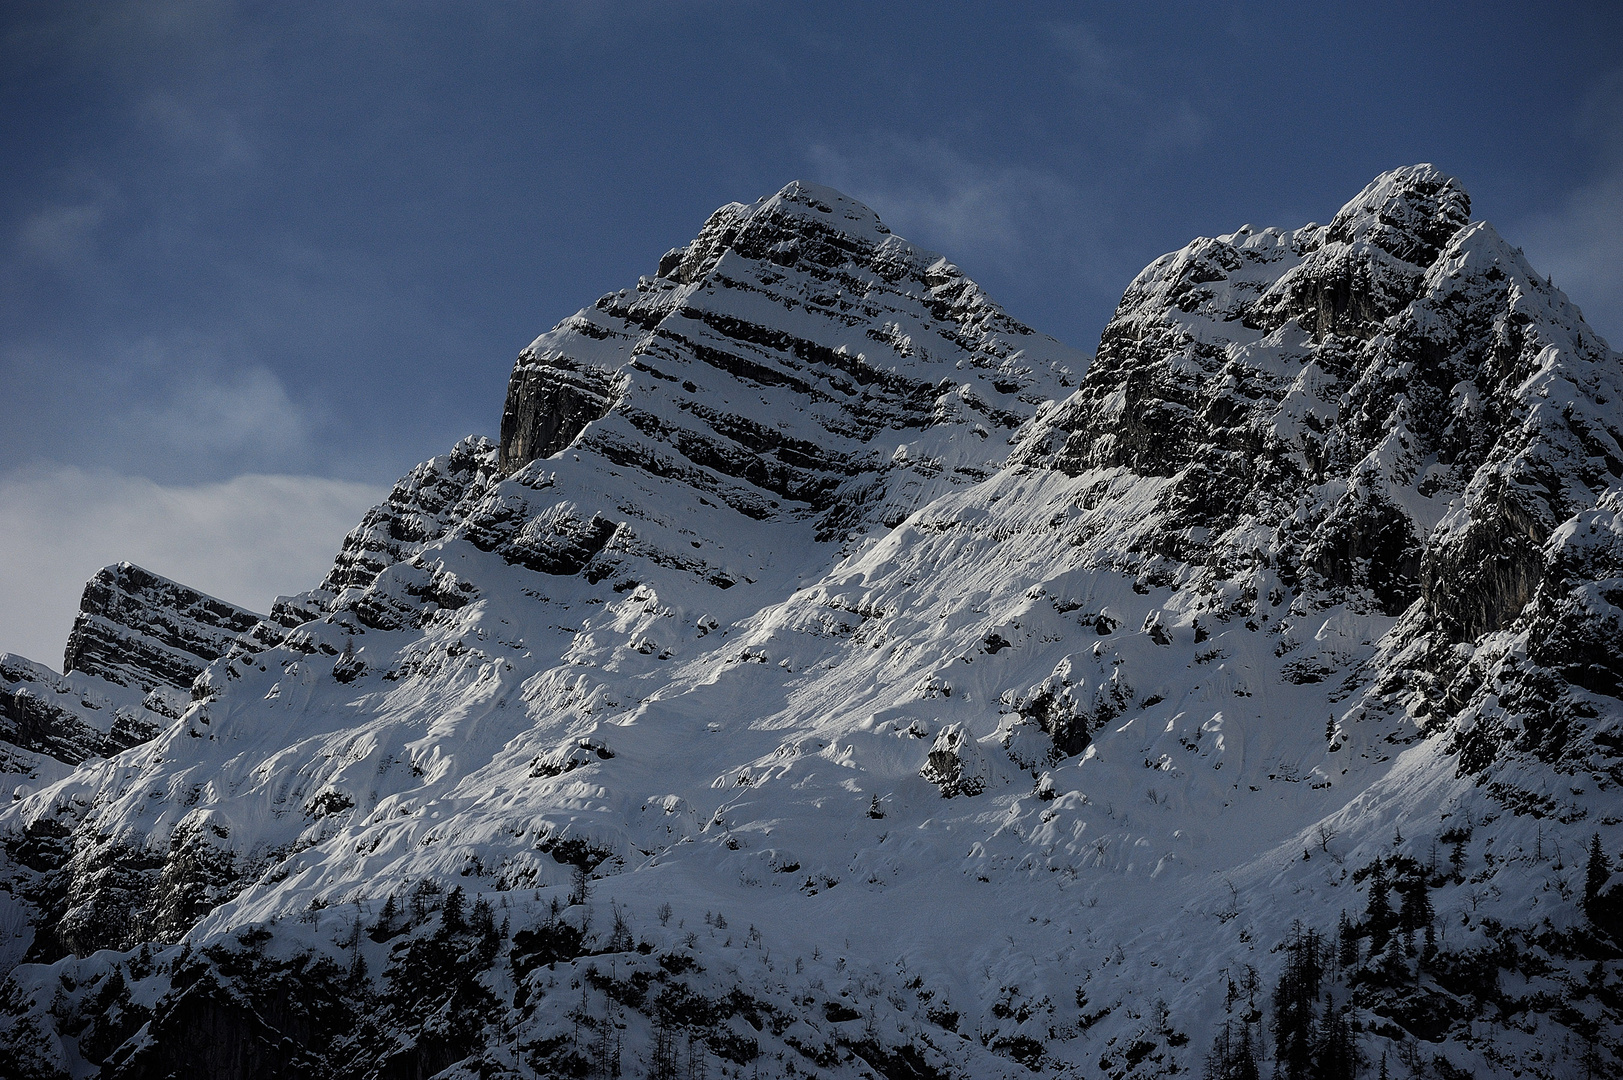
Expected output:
(805, 291)
(802, 221)
(1409, 213)
(828, 207)
(138, 628)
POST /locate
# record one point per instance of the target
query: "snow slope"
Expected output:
(827, 675)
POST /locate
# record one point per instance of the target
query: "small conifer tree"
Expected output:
(454, 902)
(1378, 916)
(1337, 1056)
(1595, 875)
(1346, 943)
(1296, 1033)
(384, 927)
(482, 922)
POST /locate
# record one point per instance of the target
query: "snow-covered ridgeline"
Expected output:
(819, 538)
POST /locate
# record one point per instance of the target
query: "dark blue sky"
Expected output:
(309, 239)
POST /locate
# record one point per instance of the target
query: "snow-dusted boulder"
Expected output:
(956, 764)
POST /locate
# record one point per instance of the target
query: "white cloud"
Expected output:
(198, 397)
(62, 235)
(182, 405)
(246, 540)
(931, 194)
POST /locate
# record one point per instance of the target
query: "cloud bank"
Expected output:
(246, 540)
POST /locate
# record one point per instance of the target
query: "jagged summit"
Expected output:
(138, 629)
(803, 220)
(1409, 213)
(849, 306)
(1316, 385)
(827, 674)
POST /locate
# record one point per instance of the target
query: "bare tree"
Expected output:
(1326, 834)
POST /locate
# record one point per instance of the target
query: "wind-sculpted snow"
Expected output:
(826, 675)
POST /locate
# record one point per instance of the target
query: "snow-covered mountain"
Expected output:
(828, 675)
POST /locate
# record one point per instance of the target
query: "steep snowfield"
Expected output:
(906, 694)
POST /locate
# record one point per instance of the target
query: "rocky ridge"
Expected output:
(138, 643)
(827, 675)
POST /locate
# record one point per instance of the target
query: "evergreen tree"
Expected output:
(1337, 1057)
(1390, 967)
(1605, 909)
(1294, 1023)
(1409, 913)
(1346, 943)
(1378, 917)
(482, 920)
(1595, 876)
(1245, 1058)
(1232, 1057)
(454, 901)
(483, 924)
(1426, 916)
(1456, 854)
(384, 927)
(358, 972)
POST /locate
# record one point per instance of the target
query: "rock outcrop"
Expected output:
(70, 719)
(141, 630)
(955, 764)
(138, 643)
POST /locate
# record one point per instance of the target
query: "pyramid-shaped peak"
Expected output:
(834, 208)
(802, 221)
(1409, 212)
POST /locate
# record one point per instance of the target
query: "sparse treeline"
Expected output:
(1385, 972)
(1312, 1037)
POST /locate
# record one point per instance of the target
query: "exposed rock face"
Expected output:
(1357, 405)
(70, 719)
(137, 645)
(795, 363)
(803, 308)
(550, 400)
(138, 629)
(622, 742)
